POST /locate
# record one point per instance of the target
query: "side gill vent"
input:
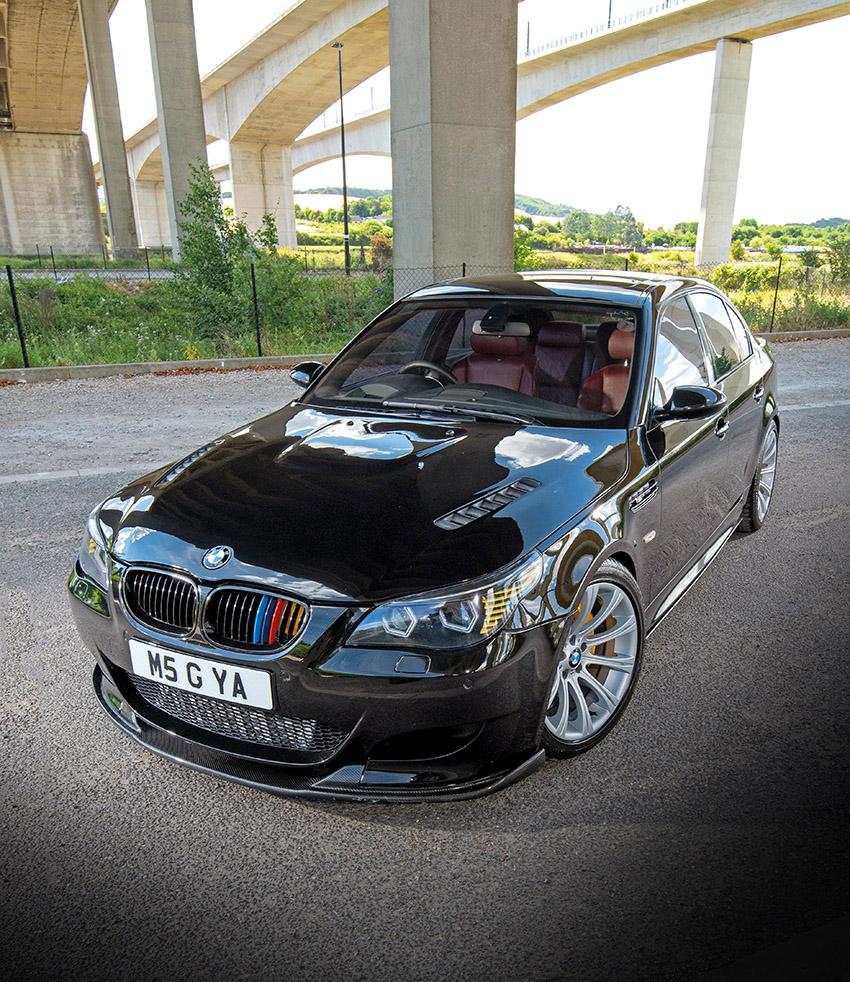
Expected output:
(486, 505)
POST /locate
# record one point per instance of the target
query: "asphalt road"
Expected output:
(711, 825)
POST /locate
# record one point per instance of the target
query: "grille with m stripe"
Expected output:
(249, 619)
(234, 617)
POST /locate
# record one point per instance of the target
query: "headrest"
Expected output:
(621, 344)
(498, 344)
(510, 329)
(561, 334)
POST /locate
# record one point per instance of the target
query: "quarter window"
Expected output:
(725, 345)
(739, 326)
(679, 358)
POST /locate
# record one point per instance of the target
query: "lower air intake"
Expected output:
(240, 722)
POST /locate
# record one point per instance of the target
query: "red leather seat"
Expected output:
(498, 359)
(605, 391)
(560, 357)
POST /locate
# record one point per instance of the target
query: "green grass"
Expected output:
(97, 322)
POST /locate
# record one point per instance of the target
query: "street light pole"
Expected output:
(338, 46)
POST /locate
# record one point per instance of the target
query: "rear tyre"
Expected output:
(599, 658)
(761, 490)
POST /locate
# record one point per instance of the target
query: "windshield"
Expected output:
(554, 362)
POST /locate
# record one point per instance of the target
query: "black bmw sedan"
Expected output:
(441, 562)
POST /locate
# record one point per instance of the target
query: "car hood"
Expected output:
(363, 508)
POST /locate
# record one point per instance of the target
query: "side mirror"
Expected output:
(305, 373)
(691, 402)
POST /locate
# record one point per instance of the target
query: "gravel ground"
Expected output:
(710, 826)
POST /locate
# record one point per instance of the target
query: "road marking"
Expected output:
(130, 468)
(813, 405)
(63, 475)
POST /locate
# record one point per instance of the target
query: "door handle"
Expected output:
(758, 392)
(720, 427)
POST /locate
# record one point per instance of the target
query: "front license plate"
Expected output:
(219, 680)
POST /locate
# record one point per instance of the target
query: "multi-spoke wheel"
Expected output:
(761, 490)
(599, 660)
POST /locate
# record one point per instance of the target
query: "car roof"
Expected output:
(611, 286)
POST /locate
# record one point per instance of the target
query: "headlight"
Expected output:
(458, 620)
(93, 552)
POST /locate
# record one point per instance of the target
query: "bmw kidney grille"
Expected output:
(233, 617)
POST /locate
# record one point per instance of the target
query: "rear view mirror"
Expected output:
(305, 373)
(691, 402)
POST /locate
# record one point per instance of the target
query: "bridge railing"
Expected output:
(613, 24)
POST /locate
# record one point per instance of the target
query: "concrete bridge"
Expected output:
(451, 132)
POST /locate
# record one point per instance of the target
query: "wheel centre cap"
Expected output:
(574, 660)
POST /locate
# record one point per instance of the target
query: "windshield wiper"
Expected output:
(461, 410)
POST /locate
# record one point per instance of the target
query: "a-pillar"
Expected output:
(178, 100)
(100, 67)
(262, 184)
(453, 136)
(723, 157)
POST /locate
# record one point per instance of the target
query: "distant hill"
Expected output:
(352, 192)
(539, 206)
(829, 222)
(522, 202)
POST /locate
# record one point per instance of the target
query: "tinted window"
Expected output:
(724, 344)
(739, 326)
(679, 356)
(548, 360)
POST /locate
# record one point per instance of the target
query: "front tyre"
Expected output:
(761, 490)
(599, 658)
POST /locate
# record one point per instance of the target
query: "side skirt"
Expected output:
(689, 578)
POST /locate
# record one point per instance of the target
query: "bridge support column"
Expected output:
(723, 157)
(178, 100)
(453, 136)
(152, 213)
(100, 67)
(262, 184)
(47, 194)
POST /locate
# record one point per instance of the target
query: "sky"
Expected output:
(639, 141)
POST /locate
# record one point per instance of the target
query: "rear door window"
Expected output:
(725, 343)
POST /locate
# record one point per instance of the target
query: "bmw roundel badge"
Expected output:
(216, 557)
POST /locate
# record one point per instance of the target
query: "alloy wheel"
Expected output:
(599, 652)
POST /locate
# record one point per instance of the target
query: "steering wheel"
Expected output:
(442, 374)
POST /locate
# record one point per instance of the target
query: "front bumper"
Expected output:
(356, 782)
(440, 738)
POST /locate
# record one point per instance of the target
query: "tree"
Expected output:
(628, 230)
(603, 228)
(525, 220)
(838, 257)
(577, 225)
(685, 228)
(382, 251)
(773, 248)
(524, 255)
(737, 251)
(660, 237)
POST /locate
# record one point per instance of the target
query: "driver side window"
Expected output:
(679, 357)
